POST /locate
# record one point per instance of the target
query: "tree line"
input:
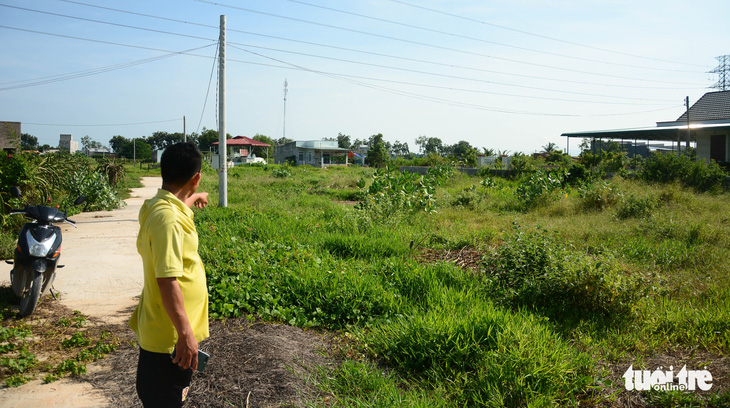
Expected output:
(430, 150)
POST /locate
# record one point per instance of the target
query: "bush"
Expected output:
(532, 269)
(537, 188)
(100, 196)
(697, 174)
(636, 207)
(599, 195)
(281, 172)
(392, 192)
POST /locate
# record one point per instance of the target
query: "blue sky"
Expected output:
(511, 75)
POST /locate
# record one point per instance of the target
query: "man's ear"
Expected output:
(196, 178)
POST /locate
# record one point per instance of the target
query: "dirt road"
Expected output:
(101, 279)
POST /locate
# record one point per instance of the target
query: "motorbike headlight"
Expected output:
(39, 249)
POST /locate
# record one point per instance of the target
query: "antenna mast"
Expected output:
(722, 71)
(286, 84)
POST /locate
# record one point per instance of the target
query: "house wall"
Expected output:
(284, 151)
(704, 144)
(9, 135)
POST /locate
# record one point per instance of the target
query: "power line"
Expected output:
(413, 42)
(109, 124)
(441, 100)
(207, 92)
(540, 35)
(450, 34)
(107, 22)
(89, 72)
(383, 66)
(442, 75)
(331, 58)
(387, 55)
(91, 40)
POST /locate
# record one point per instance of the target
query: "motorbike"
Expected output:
(37, 253)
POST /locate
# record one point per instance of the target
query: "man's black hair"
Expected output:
(180, 162)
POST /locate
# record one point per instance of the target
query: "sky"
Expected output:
(509, 75)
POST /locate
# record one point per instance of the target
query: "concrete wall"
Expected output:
(10, 135)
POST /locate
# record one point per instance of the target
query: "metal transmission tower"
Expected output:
(722, 71)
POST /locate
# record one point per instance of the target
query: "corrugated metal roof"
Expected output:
(664, 133)
(711, 106)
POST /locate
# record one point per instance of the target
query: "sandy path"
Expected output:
(102, 278)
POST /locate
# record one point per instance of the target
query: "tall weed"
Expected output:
(486, 355)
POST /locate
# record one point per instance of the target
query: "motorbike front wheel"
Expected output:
(31, 293)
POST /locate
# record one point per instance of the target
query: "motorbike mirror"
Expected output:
(80, 200)
(15, 192)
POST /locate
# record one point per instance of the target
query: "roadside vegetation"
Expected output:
(539, 287)
(54, 342)
(577, 277)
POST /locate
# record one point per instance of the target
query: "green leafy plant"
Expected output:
(77, 340)
(636, 207)
(281, 172)
(538, 188)
(71, 367)
(697, 174)
(530, 269)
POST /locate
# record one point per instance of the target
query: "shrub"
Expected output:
(636, 207)
(281, 172)
(113, 171)
(537, 188)
(697, 174)
(392, 192)
(599, 195)
(532, 269)
(100, 196)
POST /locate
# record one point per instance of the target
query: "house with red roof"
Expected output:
(240, 149)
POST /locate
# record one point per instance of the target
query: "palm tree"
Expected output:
(549, 148)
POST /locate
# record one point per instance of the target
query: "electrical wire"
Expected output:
(94, 71)
(441, 100)
(97, 125)
(420, 43)
(392, 56)
(450, 34)
(540, 35)
(106, 22)
(446, 75)
(207, 92)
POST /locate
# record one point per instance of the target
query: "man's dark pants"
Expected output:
(160, 383)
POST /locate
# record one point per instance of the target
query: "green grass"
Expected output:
(630, 270)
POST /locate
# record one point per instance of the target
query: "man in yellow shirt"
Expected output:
(172, 313)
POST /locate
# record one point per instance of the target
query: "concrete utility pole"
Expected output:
(286, 84)
(185, 133)
(222, 146)
(686, 103)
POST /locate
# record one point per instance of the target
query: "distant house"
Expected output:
(67, 144)
(239, 151)
(317, 153)
(97, 152)
(709, 128)
(10, 136)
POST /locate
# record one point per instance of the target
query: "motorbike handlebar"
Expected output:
(70, 221)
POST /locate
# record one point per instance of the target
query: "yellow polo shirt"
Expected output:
(168, 244)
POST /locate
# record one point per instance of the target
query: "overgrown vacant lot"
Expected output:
(469, 291)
